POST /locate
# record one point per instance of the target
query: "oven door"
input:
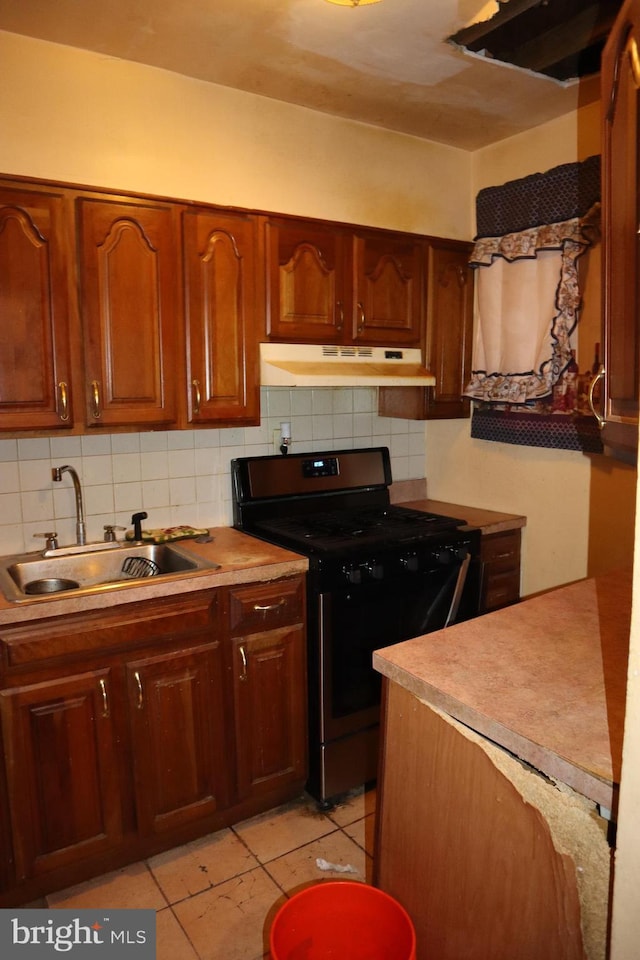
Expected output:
(353, 621)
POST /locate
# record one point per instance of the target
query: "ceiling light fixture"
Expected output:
(352, 3)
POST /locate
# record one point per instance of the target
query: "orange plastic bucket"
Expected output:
(342, 920)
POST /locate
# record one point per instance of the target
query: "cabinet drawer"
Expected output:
(501, 589)
(501, 550)
(259, 607)
(125, 627)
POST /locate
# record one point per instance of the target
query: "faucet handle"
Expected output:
(110, 532)
(51, 540)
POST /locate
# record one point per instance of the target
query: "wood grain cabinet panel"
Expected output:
(61, 768)
(307, 277)
(133, 729)
(130, 298)
(477, 867)
(448, 337)
(330, 283)
(620, 86)
(35, 374)
(268, 648)
(222, 308)
(388, 288)
(500, 566)
(175, 703)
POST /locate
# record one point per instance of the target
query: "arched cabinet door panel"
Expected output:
(222, 309)
(35, 387)
(130, 309)
(307, 295)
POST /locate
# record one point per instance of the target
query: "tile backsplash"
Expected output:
(182, 476)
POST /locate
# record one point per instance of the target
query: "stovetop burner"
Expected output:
(333, 530)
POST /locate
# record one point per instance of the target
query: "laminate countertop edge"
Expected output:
(241, 558)
(544, 679)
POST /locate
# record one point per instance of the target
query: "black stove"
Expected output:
(378, 574)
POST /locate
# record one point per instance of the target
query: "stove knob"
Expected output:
(443, 556)
(352, 573)
(375, 570)
(410, 563)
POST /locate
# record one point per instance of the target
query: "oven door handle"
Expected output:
(457, 592)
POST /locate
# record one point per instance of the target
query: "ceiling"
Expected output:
(386, 64)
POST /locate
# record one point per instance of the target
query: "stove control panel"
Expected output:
(320, 467)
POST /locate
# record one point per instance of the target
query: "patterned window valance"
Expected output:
(528, 298)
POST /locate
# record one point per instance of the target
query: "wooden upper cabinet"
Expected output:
(620, 82)
(449, 336)
(328, 283)
(388, 288)
(130, 296)
(449, 327)
(307, 297)
(35, 388)
(222, 308)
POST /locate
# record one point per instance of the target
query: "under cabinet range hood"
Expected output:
(314, 365)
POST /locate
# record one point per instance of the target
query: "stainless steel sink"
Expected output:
(30, 577)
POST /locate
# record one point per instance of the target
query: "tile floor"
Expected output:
(216, 897)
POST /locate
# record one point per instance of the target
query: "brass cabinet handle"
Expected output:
(196, 396)
(95, 399)
(340, 311)
(63, 401)
(361, 317)
(599, 376)
(140, 701)
(266, 607)
(243, 657)
(105, 698)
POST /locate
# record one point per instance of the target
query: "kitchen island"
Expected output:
(502, 746)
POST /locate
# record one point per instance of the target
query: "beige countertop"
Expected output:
(242, 559)
(545, 679)
(489, 521)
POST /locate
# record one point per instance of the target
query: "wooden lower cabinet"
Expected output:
(268, 662)
(176, 712)
(500, 566)
(62, 775)
(130, 730)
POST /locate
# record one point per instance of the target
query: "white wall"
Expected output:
(72, 115)
(550, 487)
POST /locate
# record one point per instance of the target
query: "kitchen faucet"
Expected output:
(81, 532)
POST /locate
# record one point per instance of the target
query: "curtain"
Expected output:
(527, 292)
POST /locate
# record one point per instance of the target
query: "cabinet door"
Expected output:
(388, 288)
(222, 313)
(270, 696)
(449, 327)
(177, 722)
(131, 310)
(34, 334)
(621, 218)
(61, 770)
(449, 336)
(306, 275)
